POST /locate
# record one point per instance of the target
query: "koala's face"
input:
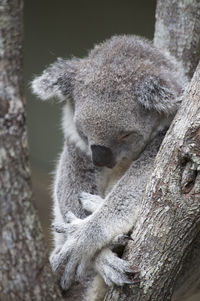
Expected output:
(115, 127)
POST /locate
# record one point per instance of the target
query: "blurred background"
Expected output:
(64, 29)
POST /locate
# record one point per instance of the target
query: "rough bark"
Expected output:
(170, 218)
(178, 31)
(188, 283)
(25, 272)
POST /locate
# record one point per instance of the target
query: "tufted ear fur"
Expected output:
(158, 94)
(57, 80)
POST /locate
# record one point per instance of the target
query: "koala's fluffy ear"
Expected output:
(57, 80)
(158, 94)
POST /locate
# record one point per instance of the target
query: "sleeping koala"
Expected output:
(119, 101)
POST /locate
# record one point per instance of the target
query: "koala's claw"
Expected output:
(90, 202)
(51, 258)
(68, 275)
(117, 275)
(120, 240)
(113, 269)
(71, 260)
(63, 227)
(57, 259)
(59, 227)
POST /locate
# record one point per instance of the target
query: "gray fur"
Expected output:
(121, 97)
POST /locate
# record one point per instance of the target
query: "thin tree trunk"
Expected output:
(25, 272)
(167, 232)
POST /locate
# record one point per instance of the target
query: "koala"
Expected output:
(118, 103)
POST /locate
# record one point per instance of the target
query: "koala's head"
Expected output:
(120, 96)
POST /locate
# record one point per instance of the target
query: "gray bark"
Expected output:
(170, 218)
(178, 30)
(25, 273)
(166, 237)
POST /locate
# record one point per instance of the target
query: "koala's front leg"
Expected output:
(77, 251)
(85, 238)
(112, 269)
(75, 173)
(117, 215)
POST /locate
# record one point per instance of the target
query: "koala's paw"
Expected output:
(71, 259)
(120, 240)
(113, 269)
(90, 202)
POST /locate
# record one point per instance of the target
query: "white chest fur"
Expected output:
(109, 177)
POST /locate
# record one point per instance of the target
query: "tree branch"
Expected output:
(25, 272)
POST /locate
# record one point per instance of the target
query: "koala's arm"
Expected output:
(116, 215)
(75, 173)
(120, 209)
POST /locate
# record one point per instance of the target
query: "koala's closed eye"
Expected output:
(126, 136)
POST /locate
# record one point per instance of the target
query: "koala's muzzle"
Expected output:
(102, 156)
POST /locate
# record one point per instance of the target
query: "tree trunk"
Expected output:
(170, 216)
(177, 30)
(25, 272)
(166, 236)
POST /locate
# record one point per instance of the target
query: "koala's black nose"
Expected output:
(102, 156)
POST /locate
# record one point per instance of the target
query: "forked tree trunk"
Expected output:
(25, 272)
(166, 237)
